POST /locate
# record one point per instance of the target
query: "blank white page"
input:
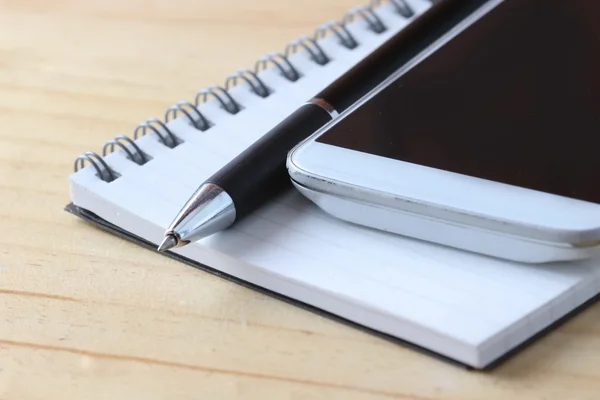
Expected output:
(464, 306)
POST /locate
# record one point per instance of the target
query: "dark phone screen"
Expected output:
(514, 98)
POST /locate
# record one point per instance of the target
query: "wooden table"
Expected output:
(85, 315)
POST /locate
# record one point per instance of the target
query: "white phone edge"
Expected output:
(371, 202)
(440, 232)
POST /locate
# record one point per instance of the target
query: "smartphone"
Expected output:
(487, 141)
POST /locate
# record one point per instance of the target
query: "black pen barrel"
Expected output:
(259, 172)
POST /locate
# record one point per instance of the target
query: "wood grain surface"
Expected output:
(85, 315)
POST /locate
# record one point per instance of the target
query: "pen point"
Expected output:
(168, 242)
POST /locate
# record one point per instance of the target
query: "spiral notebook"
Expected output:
(462, 307)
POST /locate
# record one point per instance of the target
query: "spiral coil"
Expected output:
(368, 14)
(310, 45)
(401, 7)
(226, 101)
(137, 156)
(345, 38)
(168, 139)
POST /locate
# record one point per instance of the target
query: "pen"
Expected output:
(259, 173)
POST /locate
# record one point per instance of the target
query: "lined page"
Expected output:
(462, 305)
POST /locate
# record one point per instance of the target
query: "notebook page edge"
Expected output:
(541, 320)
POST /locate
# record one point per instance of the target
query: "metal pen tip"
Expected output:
(168, 242)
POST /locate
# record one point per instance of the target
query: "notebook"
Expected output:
(459, 306)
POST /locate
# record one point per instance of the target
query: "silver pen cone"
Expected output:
(208, 211)
(168, 243)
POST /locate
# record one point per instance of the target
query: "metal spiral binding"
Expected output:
(199, 122)
(170, 140)
(137, 156)
(345, 37)
(231, 106)
(290, 74)
(257, 85)
(310, 45)
(279, 61)
(104, 173)
(368, 14)
(401, 7)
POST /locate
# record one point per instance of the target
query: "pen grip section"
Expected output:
(259, 173)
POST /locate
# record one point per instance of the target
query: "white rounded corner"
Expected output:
(443, 195)
(461, 238)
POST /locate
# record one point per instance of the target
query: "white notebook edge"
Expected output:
(482, 356)
(582, 294)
